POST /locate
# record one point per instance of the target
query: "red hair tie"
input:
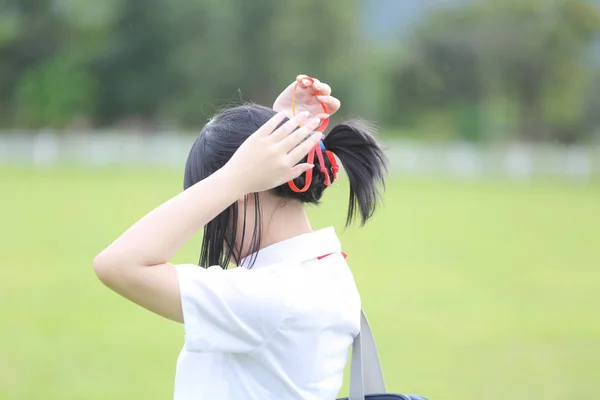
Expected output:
(318, 149)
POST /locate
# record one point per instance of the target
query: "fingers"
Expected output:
(298, 170)
(271, 125)
(322, 116)
(300, 151)
(331, 102)
(317, 85)
(322, 88)
(289, 126)
(304, 80)
(293, 139)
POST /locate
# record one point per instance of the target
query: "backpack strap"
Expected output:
(366, 375)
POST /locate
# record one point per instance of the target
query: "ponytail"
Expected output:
(365, 164)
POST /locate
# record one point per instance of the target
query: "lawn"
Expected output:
(476, 290)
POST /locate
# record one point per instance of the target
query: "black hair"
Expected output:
(353, 143)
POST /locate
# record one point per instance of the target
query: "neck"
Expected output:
(282, 222)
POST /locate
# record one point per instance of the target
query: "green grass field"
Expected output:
(476, 290)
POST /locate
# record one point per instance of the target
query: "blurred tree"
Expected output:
(29, 34)
(541, 60)
(248, 51)
(53, 93)
(532, 52)
(322, 39)
(209, 60)
(442, 72)
(472, 69)
(592, 109)
(176, 61)
(133, 73)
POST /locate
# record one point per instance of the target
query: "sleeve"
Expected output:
(230, 311)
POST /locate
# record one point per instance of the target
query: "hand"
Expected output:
(270, 156)
(308, 97)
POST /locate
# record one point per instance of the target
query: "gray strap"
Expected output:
(366, 375)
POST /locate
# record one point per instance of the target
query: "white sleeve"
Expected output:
(230, 311)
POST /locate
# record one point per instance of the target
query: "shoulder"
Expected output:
(264, 284)
(233, 310)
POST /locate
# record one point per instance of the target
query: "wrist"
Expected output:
(232, 180)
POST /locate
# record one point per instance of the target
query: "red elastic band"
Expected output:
(317, 149)
(309, 159)
(335, 168)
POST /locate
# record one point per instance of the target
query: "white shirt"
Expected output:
(280, 330)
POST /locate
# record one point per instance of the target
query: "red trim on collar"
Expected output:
(322, 257)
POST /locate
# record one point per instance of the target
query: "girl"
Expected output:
(281, 324)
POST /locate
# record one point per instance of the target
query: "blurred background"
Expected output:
(479, 273)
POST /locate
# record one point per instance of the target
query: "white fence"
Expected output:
(101, 149)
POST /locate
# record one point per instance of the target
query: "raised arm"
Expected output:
(136, 264)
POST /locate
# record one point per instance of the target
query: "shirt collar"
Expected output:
(299, 249)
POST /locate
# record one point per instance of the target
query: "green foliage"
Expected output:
(133, 73)
(53, 93)
(178, 62)
(535, 53)
(9, 27)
